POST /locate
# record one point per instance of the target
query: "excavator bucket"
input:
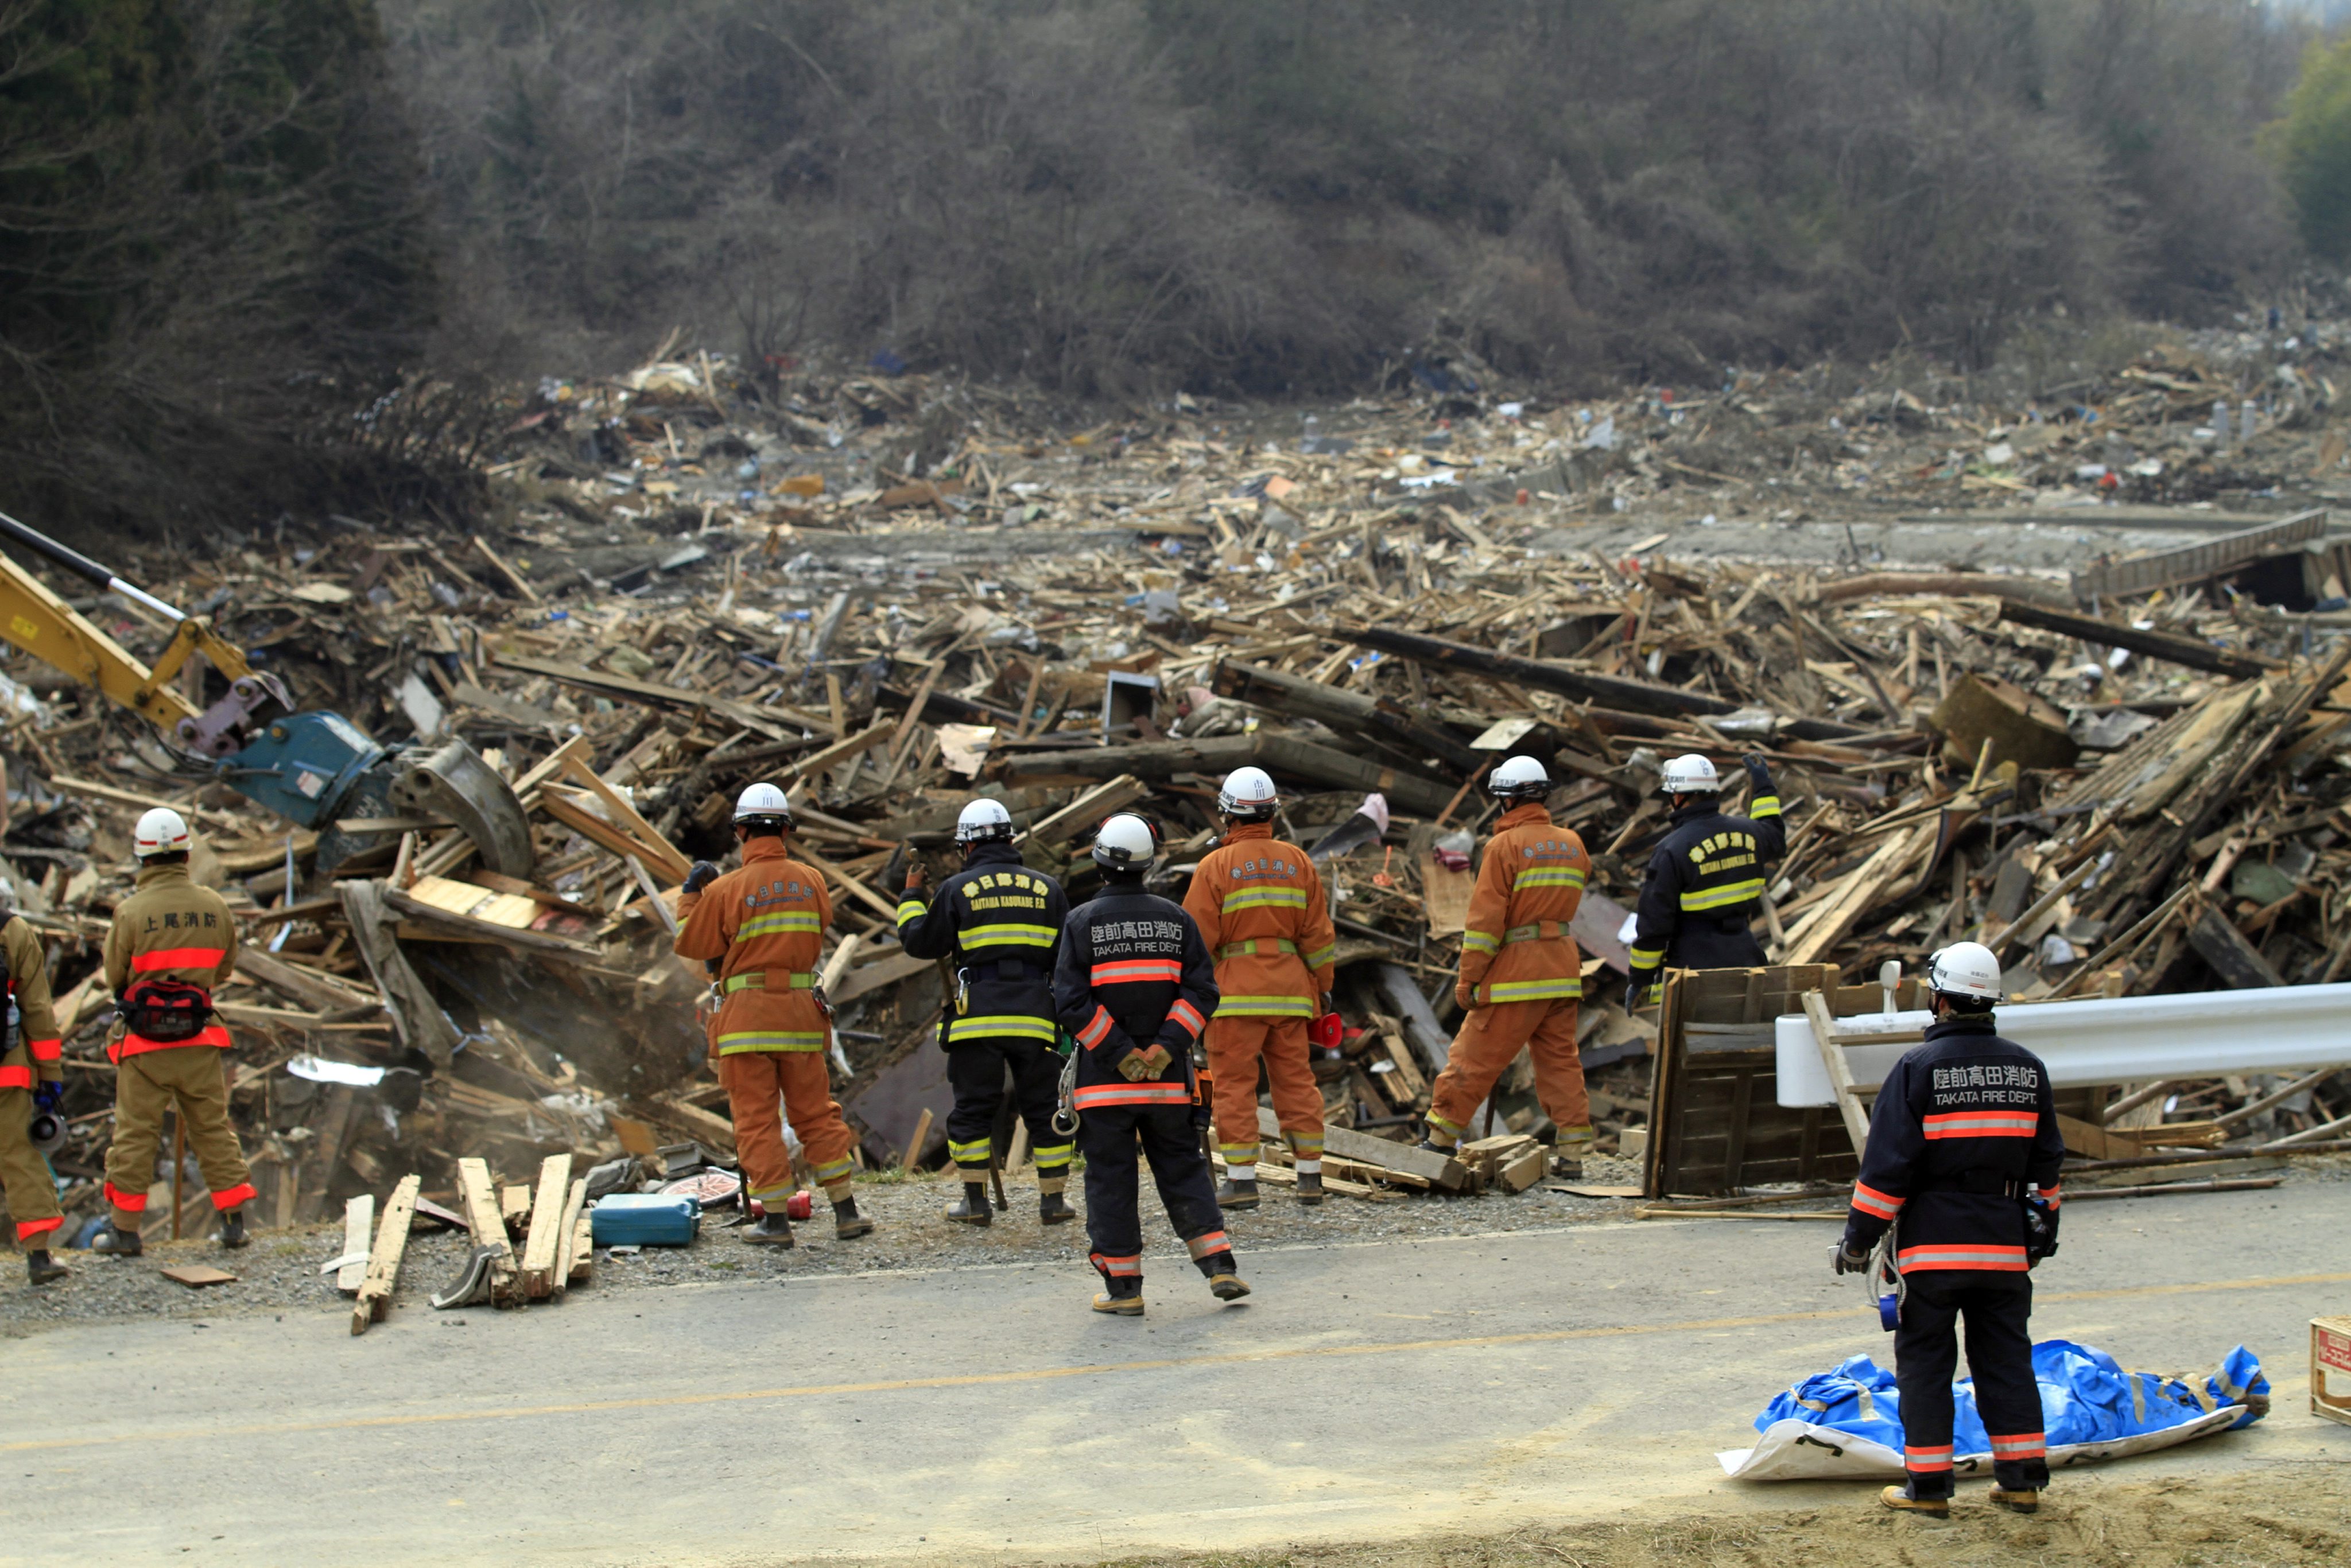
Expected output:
(453, 781)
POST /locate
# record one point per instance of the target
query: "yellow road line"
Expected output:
(1098, 1369)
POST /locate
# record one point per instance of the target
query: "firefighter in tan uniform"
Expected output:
(32, 1079)
(1259, 906)
(1520, 973)
(760, 928)
(173, 945)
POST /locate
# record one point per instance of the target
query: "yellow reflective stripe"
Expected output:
(911, 908)
(833, 1172)
(975, 1153)
(1647, 957)
(771, 1040)
(1549, 876)
(1255, 945)
(1265, 1006)
(1047, 1155)
(1764, 806)
(1266, 898)
(1480, 942)
(1322, 955)
(1014, 1026)
(1014, 935)
(1533, 990)
(1717, 897)
(775, 924)
(757, 980)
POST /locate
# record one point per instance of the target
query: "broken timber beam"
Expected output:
(2193, 652)
(1300, 697)
(1323, 765)
(1616, 691)
(488, 1225)
(550, 1215)
(384, 1259)
(1362, 1148)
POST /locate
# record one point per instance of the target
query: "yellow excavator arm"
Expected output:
(46, 626)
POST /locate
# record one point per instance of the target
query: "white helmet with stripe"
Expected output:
(1519, 778)
(1690, 775)
(1126, 842)
(766, 804)
(1247, 795)
(983, 821)
(1964, 969)
(162, 831)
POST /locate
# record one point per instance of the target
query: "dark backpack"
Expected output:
(167, 1011)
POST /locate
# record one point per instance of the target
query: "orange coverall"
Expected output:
(1259, 906)
(1521, 977)
(35, 1056)
(170, 929)
(765, 923)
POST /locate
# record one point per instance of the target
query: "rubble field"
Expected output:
(2064, 675)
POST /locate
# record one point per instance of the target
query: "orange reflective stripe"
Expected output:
(1128, 970)
(241, 1192)
(1983, 1124)
(140, 1045)
(1938, 1458)
(176, 958)
(1869, 1200)
(1999, 1259)
(45, 1049)
(28, 1228)
(16, 1077)
(128, 1202)
(1134, 1094)
(1097, 1028)
(1215, 1241)
(1117, 1266)
(1187, 1015)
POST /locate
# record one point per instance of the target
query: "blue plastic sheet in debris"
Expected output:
(2086, 1396)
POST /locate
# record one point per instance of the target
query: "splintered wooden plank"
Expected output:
(514, 1206)
(570, 1236)
(359, 1224)
(1363, 1149)
(584, 1244)
(384, 1259)
(479, 1197)
(546, 1216)
(1856, 1119)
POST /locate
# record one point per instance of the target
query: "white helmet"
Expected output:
(162, 831)
(1247, 795)
(1690, 775)
(766, 804)
(1964, 969)
(1519, 778)
(1126, 842)
(983, 821)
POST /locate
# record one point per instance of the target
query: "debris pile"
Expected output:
(887, 594)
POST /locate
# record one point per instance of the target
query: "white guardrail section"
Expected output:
(2110, 1040)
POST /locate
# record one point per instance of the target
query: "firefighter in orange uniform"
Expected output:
(1520, 973)
(32, 1079)
(762, 927)
(1259, 906)
(173, 945)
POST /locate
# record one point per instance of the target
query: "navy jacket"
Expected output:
(1132, 970)
(1002, 922)
(1964, 1122)
(1705, 882)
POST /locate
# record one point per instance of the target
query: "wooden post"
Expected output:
(480, 1202)
(383, 1260)
(1856, 1119)
(179, 1165)
(550, 1212)
(359, 1224)
(914, 1144)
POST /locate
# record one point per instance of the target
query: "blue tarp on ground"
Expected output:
(2086, 1396)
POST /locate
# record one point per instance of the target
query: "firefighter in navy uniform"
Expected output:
(1001, 923)
(1963, 1158)
(1706, 877)
(1135, 987)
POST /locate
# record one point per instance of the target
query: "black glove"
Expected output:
(1845, 1261)
(1759, 772)
(703, 874)
(2040, 1230)
(894, 868)
(50, 1095)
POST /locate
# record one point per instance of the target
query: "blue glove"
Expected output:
(50, 1095)
(703, 874)
(1759, 772)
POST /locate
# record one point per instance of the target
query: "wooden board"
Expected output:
(549, 1209)
(568, 1235)
(1362, 1148)
(514, 1206)
(511, 910)
(1445, 894)
(478, 1196)
(583, 1246)
(359, 1227)
(196, 1276)
(383, 1260)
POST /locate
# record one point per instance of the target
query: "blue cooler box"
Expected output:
(644, 1220)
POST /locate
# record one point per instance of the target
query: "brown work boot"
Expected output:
(1899, 1499)
(1236, 1195)
(2016, 1501)
(1228, 1286)
(1310, 1187)
(1128, 1306)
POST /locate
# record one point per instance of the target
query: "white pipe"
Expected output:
(2108, 1040)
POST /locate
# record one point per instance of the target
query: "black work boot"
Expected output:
(1053, 1209)
(1565, 1169)
(847, 1223)
(40, 1269)
(771, 1229)
(1233, 1195)
(1310, 1187)
(973, 1208)
(232, 1228)
(117, 1243)
(1434, 1147)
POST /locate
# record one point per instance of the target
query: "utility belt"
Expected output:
(1264, 946)
(168, 1012)
(1005, 971)
(1980, 1182)
(774, 980)
(1537, 931)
